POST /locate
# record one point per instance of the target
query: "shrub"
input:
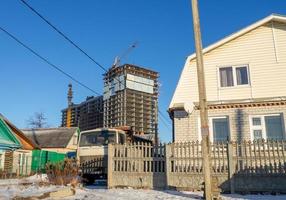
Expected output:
(63, 173)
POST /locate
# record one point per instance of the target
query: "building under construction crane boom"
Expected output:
(124, 54)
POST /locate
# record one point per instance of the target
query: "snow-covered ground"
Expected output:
(31, 179)
(31, 186)
(131, 194)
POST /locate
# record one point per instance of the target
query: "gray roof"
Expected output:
(50, 137)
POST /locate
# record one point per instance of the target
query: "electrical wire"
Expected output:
(62, 34)
(47, 61)
(76, 45)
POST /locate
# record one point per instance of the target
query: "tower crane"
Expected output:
(118, 59)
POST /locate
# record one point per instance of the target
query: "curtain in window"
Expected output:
(274, 129)
(220, 129)
(226, 77)
(241, 75)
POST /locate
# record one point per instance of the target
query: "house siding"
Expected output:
(259, 49)
(187, 125)
(22, 162)
(263, 50)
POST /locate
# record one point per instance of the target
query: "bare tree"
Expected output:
(38, 120)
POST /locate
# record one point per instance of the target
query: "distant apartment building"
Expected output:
(131, 98)
(91, 113)
(70, 116)
(86, 115)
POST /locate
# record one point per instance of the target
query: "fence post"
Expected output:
(167, 164)
(230, 166)
(109, 165)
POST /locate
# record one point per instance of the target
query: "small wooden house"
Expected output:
(60, 140)
(8, 143)
(21, 158)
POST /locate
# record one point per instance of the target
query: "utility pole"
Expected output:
(202, 101)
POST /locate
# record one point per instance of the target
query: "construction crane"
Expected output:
(118, 59)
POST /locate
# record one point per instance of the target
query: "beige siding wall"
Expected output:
(238, 121)
(259, 49)
(73, 142)
(280, 41)
(183, 93)
(22, 162)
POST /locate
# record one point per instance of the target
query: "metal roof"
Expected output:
(51, 137)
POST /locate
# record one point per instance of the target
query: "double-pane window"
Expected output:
(219, 129)
(267, 127)
(233, 76)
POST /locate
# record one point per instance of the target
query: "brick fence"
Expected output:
(257, 166)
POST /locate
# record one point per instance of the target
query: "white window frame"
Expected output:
(211, 126)
(263, 125)
(234, 76)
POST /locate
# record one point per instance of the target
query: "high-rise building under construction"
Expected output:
(85, 115)
(131, 98)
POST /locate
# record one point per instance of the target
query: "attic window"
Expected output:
(233, 76)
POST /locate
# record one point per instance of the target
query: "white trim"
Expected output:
(274, 42)
(263, 125)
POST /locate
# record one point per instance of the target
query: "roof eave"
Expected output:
(273, 17)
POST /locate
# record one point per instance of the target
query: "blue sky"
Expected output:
(105, 28)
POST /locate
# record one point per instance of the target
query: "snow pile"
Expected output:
(31, 179)
(9, 192)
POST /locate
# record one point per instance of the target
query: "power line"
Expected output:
(68, 39)
(166, 125)
(62, 34)
(74, 44)
(163, 116)
(47, 61)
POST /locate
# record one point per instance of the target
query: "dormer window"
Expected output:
(233, 76)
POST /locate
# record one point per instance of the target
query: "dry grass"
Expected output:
(63, 173)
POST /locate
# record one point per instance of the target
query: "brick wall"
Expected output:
(186, 124)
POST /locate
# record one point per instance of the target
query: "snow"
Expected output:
(91, 193)
(32, 186)
(31, 179)
(9, 192)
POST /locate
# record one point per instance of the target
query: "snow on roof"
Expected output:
(51, 137)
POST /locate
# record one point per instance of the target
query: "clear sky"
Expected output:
(105, 28)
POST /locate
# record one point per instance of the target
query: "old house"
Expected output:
(22, 157)
(60, 140)
(8, 143)
(245, 86)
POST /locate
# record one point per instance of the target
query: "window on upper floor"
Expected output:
(267, 127)
(233, 76)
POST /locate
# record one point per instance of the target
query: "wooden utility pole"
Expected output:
(202, 101)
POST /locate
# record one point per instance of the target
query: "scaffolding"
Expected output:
(131, 98)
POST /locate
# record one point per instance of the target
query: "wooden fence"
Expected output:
(245, 166)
